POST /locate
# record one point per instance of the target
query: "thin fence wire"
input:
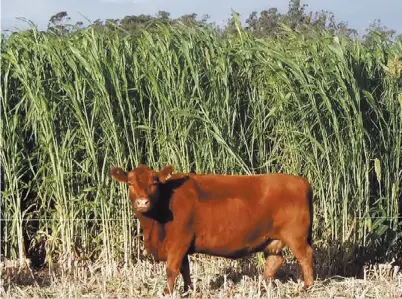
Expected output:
(54, 219)
(120, 219)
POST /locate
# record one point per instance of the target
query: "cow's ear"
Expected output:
(119, 175)
(165, 173)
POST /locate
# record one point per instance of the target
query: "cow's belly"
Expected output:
(231, 244)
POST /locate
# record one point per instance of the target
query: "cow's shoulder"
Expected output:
(178, 192)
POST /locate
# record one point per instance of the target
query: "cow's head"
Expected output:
(144, 185)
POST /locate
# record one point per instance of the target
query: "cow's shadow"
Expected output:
(334, 263)
(250, 268)
(337, 261)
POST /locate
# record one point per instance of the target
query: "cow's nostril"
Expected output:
(143, 202)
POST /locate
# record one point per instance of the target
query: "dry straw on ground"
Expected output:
(212, 277)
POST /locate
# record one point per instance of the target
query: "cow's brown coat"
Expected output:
(222, 215)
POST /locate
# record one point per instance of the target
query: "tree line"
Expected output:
(266, 23)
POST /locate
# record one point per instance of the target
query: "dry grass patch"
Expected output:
(212, 277)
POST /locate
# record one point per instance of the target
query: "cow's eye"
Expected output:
(155, 180)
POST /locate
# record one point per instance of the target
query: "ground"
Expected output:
(213, 277)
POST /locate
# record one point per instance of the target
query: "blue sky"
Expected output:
(358, 13)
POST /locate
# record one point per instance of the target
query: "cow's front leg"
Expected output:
(175, 256)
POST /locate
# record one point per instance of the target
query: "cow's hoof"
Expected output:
(306, 288)
(190, 292)
(166, 292)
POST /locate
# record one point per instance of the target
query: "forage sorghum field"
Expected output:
(72, 106)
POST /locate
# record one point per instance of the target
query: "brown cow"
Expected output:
(222, 215)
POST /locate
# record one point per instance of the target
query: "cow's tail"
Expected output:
(310, 206)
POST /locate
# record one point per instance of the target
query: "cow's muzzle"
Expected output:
(142, 204)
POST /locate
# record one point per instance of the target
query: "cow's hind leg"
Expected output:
(272, 264)
(304, 254)
(185, 272)
(274, 258)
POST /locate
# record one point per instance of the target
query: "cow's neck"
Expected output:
(153, 229)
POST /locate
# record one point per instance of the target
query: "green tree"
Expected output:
(58, 23)
(377, 31)
(267, 24)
